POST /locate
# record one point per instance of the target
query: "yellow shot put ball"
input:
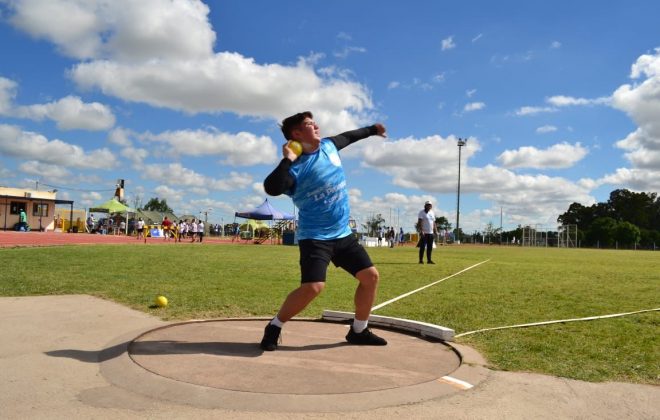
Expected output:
(295, 147)
(161, 301)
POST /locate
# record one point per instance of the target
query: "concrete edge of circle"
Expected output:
(423, 329)
(119, 369)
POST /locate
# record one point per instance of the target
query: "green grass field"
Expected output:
(518, 285)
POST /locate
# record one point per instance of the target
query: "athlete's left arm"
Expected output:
(344, 139)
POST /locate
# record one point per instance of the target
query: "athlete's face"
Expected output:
(308, 132)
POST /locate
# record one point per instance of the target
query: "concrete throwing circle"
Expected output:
(219, 363)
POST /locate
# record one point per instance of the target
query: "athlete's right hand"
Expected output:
(288, 153)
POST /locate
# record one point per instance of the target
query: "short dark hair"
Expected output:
(289, 123)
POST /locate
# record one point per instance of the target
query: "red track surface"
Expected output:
(14, 239)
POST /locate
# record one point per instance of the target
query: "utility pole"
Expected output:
(500, 225)
(461, 142)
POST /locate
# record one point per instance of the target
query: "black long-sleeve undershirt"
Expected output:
(280, 180)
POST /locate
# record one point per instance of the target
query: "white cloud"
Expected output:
(53, 173)
(69, 113)
(417, 83)
(546, 129)
(477, 38)
(227, 82)
(7, 94)
(558, 101)
(474, 106)
(641, 102)
(175, 197)
(423, 153)
(555, 45)
(448, 43)
(89, 199)
(561, 155)
(160, 52)
(646, 64)
(470, 92)
(346, 51)
(32, 146)
(258, 187)
(137, 156)
(430, 164)
(439, 78)
(634, 179)
(344, 36)
(533, 110)
(121, 136)
(176, 174)
(124, 30)
(236, 149)
(561, 100)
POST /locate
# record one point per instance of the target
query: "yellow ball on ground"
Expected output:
(295, 147)
(161, 301)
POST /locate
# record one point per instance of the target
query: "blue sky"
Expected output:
(559, 101)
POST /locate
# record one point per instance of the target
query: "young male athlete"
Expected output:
(316, 182)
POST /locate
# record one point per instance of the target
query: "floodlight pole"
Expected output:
(461, 142)
(206, 219)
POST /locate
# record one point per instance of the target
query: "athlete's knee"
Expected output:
(368, 277)
(313, 288)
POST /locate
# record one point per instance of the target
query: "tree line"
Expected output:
(626, 219)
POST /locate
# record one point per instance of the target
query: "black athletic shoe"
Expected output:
(421, 262)
(271, 337)
(430, 262)
(365, 338)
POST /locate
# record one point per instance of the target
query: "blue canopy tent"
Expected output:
(265, 211)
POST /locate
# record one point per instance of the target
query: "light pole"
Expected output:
(206, 219)
(461, 142)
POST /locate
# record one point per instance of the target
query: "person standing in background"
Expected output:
(427, 228)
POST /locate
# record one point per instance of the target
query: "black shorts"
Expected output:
(315, 255)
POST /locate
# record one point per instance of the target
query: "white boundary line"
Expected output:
(590, 318)
(424, 287)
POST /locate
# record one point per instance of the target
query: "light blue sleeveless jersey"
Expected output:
(320, 194)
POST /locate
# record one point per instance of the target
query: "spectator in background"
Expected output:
(166, 224)
(140, 228)
(193, 230)
(427, 228)
(200, 231)
(22, 220)
(183, 229)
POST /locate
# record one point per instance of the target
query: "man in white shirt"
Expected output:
(140, 229)
(200, 230)
(193, 230)
(427, 228)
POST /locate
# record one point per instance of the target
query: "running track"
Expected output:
(21, 239)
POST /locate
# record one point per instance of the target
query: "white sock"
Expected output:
(359, 326)
(276, 321)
